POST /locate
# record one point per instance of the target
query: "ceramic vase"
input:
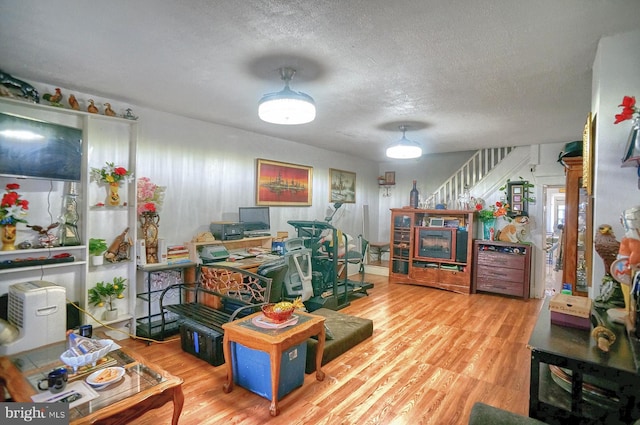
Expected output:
(97, 260)
(8, 233)
(111, 314)
(149, 222)
(489, 229)
(113, 197)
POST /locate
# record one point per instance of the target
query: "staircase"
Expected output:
(469, 175)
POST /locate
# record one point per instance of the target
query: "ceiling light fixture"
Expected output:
(404, 148)
(287, 107)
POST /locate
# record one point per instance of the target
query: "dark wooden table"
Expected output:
(574, 350)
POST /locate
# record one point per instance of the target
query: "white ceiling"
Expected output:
(461, 74)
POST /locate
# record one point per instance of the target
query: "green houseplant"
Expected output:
(105, 293)
(97, 247)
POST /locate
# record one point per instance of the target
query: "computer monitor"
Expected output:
(255, 219)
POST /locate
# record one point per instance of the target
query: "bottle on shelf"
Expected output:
(414, 196)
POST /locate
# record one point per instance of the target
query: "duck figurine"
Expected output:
(108, 111)
(73, 103)
(92, 108)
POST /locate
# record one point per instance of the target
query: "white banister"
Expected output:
(468, 175)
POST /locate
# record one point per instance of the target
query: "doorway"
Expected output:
(553, 225)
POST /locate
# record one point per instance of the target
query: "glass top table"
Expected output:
(143, 387)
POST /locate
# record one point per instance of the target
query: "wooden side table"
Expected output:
(377, 249)
(274, 342)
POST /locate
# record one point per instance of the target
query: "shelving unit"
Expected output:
(577, 236)
(407, 265)
(155, 279)
(105, 139)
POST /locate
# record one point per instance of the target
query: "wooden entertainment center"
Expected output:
(432, 248)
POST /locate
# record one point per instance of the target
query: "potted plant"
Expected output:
(105, 293)
(97, 247)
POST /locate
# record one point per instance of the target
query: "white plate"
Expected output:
(116, 373)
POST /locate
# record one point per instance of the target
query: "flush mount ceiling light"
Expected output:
(404, 148)
(287, 107)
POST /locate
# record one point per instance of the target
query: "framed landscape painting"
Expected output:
(283, 184)
(343, 186)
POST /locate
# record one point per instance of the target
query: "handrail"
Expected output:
(467, 176)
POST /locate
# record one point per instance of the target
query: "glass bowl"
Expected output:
(70, 359)
(277, 315)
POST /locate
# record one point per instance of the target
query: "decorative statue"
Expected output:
(516, 230)
(624, 269)
(26, 89)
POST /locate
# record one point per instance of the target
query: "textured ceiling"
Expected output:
(462, 74)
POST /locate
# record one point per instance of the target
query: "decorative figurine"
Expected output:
(129, 115)
(27, 90)
(108, 111)
(73, 103)
(46, 237)
(625, 268)
(54, 99)
(92, 108)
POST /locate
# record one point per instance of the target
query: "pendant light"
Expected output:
(404, 148)
(287, 107)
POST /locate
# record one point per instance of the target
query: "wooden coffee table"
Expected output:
(274, 342)
(143, 388)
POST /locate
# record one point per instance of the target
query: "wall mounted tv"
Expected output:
(254, 219)
(38, 149)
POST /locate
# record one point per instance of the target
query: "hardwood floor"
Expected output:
(432, 355)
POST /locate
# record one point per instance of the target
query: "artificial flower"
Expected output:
(111, 174)
(494, 211)
(150, 195)
(12, 208)
(629, 108)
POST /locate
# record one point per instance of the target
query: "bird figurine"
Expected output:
(55, 98)
(92, 108)
(606, 246)
(73, 103)
(108, 111)
(43, 230)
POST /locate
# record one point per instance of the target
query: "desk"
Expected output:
(377, 249)
(273, 342)
(574, 349)
(143, 388)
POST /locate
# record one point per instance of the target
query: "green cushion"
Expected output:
(483, 414)
(348, 331)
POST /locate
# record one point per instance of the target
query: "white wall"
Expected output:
(615, 75)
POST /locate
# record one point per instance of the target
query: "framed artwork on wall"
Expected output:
(343, 186)
(517, 198)
(389, 177)
(283, 184)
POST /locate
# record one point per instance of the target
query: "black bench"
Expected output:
(220, 295)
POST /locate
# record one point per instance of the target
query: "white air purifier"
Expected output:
(38, 310)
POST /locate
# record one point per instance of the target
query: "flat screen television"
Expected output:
(255, 219)
(38, 149)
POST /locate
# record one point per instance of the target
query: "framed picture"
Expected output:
(343, 186)
(390, 177)
(517, 198)
(436, 222)
(282, 184)
(588, 149)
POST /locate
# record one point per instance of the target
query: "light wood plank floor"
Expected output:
(432, 355)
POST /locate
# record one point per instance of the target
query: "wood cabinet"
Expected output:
(577, 233)
(432, 248)
(502, 268)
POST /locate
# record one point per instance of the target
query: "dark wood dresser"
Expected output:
(502, 268)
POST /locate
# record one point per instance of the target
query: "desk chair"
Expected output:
(276, 270)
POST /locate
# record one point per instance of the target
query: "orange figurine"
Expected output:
(73, 103)
(108, 111)
(92, 108)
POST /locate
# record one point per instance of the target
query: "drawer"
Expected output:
(424, 274)
(499, 273)
(454, 277)
(499, 286)
(496, 259)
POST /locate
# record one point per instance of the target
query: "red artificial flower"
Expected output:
(24, 204)
(478, 207)
(149, 207)
(13, 186)
(10, 199)
(498, 204)
(121, 171)
(628, 109)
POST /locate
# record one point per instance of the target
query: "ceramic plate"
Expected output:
(104, 377)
